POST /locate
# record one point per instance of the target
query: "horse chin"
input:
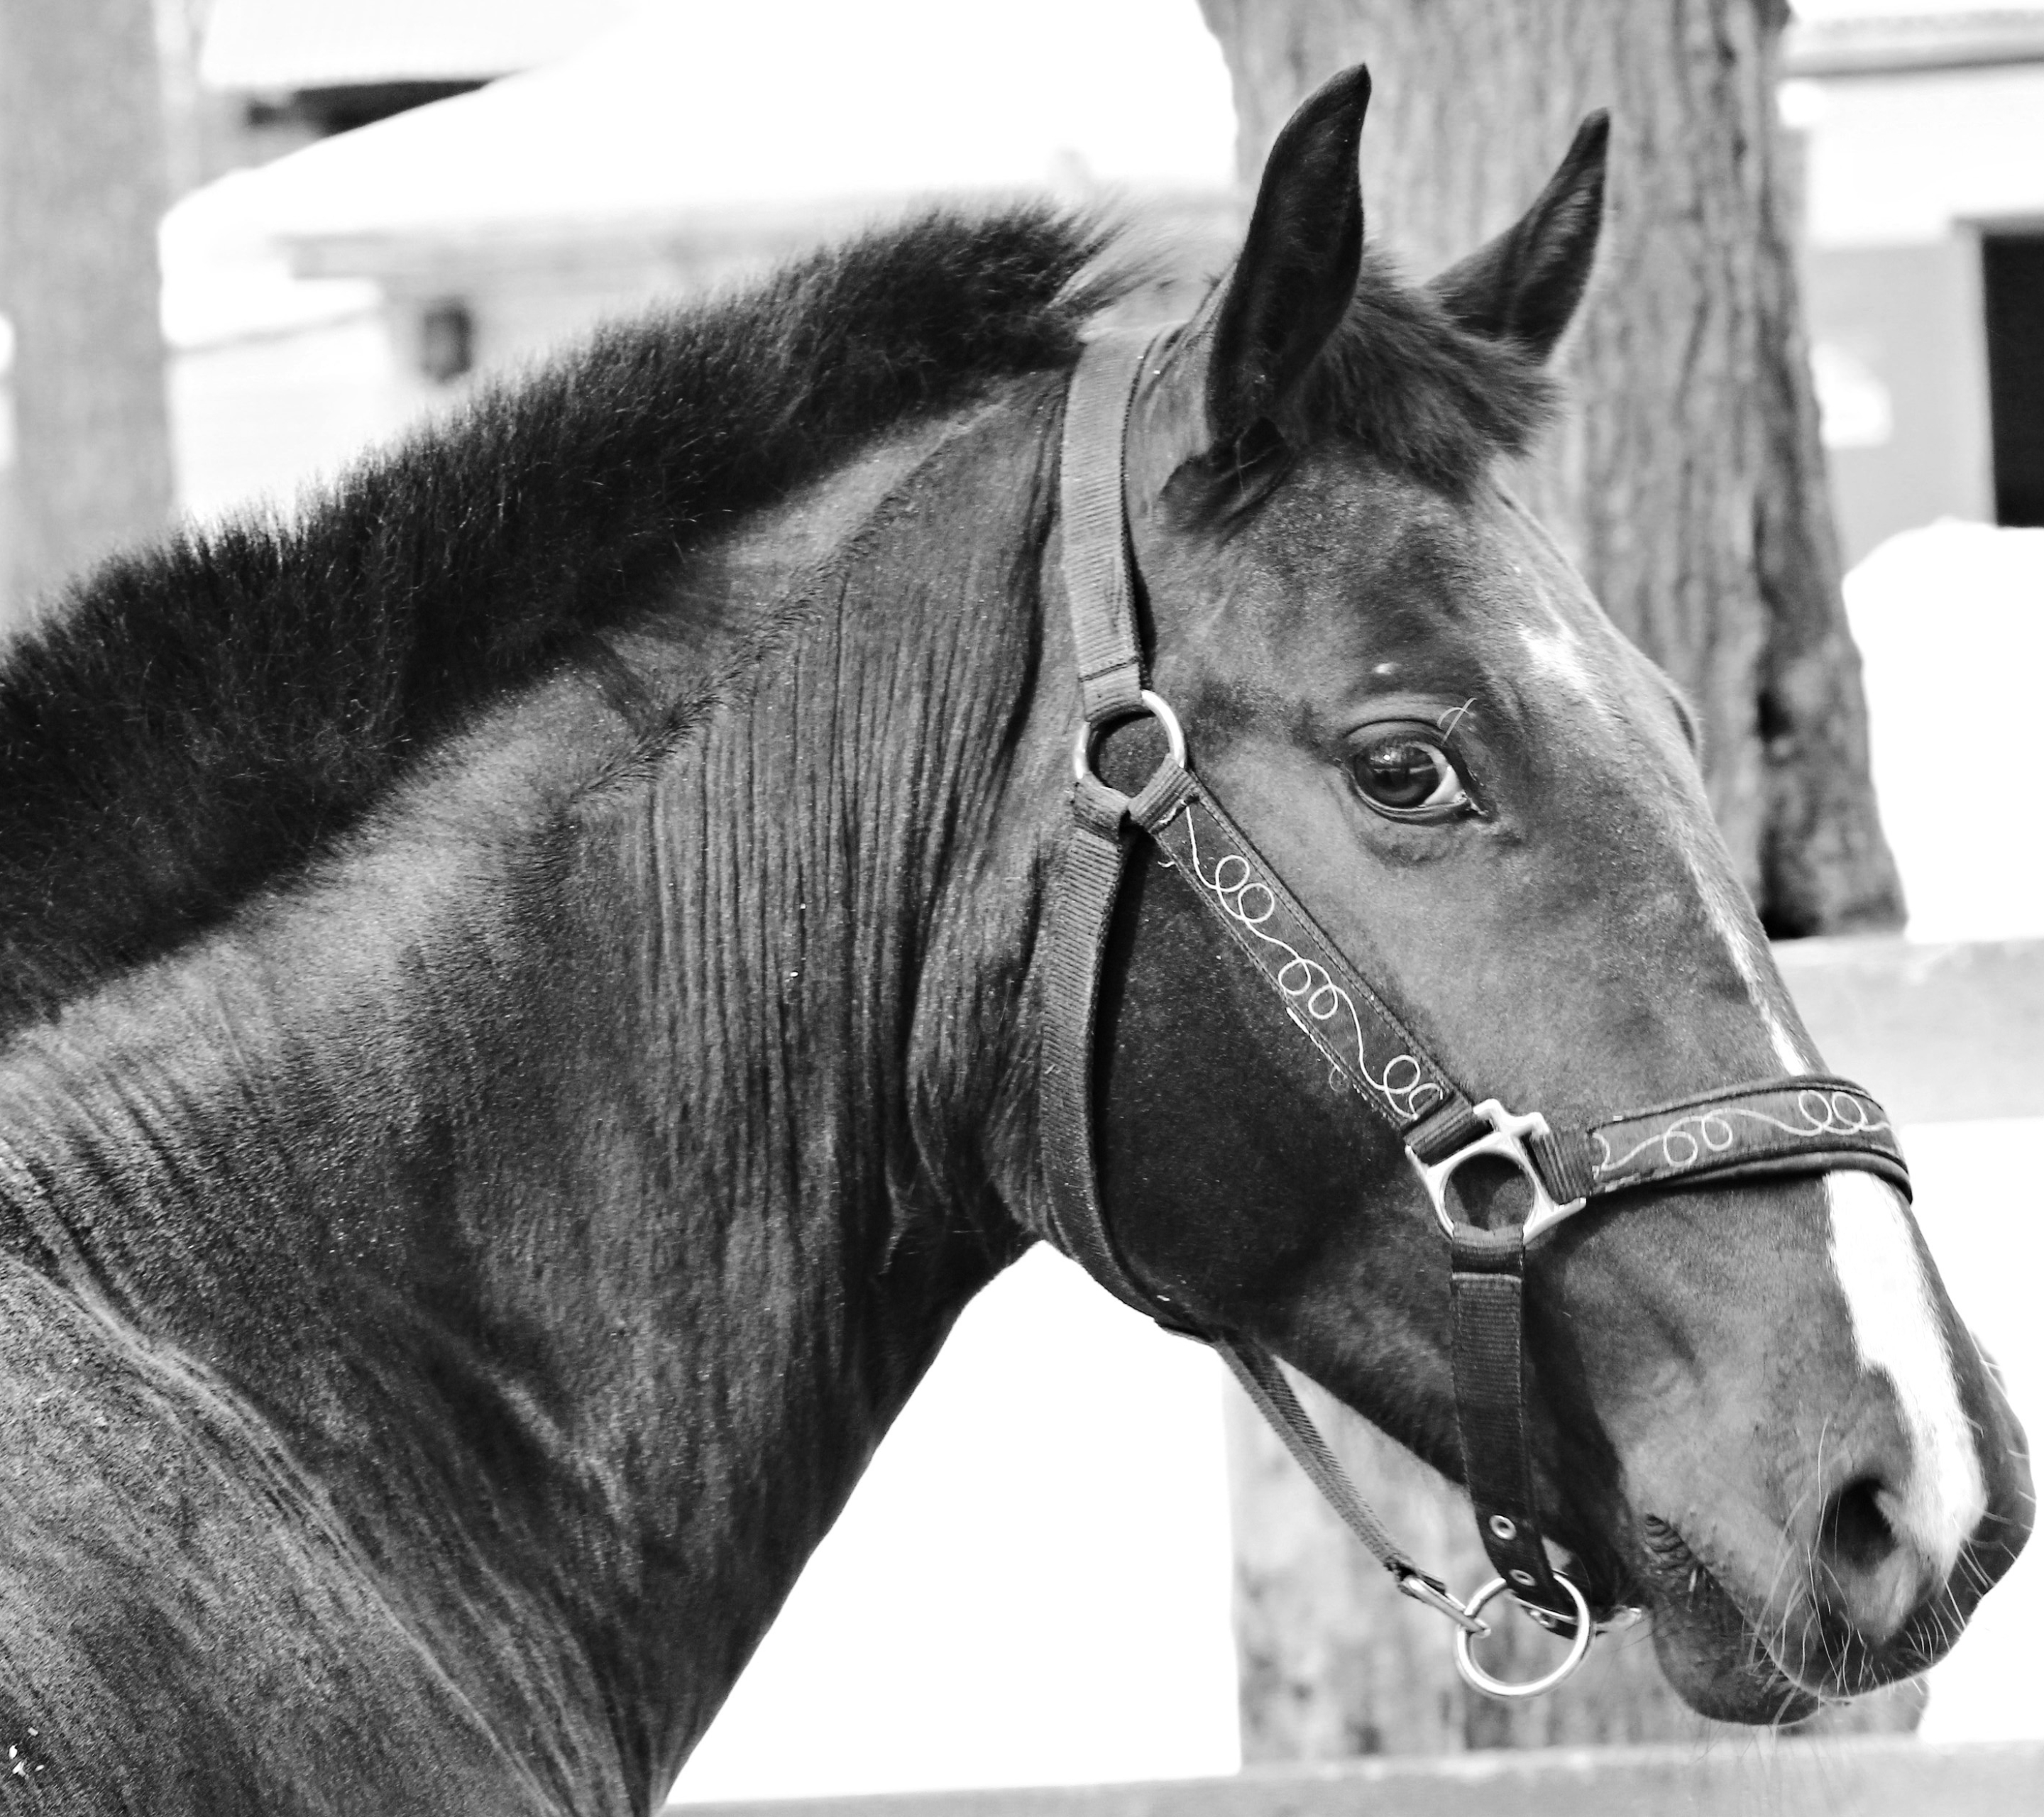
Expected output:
(1724, 1664)
(1713, 1657)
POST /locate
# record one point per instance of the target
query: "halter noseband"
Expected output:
(1780, 1126)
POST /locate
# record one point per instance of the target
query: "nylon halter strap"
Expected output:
(1790, 1125)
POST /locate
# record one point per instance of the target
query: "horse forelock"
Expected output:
(1410, 386)
(193, 722)
(1398, 380)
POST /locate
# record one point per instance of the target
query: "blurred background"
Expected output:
(352, 213)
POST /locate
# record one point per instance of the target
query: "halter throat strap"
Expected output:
(1799, 1125)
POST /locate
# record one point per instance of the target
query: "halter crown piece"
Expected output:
(1788, 1125)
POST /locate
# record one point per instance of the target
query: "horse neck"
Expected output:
(577, 1206)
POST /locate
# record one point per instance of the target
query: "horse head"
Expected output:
(1750, 1406)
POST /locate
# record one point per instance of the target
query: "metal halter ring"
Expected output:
(1507, 1140)
(1157, 706)
(1474, 1675)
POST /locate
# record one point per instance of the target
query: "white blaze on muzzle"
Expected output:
(1896, 1326)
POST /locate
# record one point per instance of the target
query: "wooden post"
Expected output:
(82, 188)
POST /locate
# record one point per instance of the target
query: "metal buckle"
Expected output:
(1431, 1593)
(1157, 706)
(1478, 1679)
(1507, 1141)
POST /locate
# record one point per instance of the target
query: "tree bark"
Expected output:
(81, 188)
(1687, 482)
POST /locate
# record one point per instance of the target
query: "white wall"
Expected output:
(1898, 159)
(1030, 1586)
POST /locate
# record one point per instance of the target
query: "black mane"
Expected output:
(197, 719)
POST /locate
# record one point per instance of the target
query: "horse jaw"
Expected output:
(1709, 1652)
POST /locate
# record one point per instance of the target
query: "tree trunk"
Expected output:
(1688, 482)
(81, 192)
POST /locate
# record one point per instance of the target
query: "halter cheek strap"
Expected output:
(1798, 1125)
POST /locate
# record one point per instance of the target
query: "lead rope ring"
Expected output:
(1474, 1675)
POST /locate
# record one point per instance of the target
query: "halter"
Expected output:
(1789, 1125)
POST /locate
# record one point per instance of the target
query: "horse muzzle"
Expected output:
(1857, 1599)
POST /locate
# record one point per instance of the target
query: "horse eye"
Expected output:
(1405, 774)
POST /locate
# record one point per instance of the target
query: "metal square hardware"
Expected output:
(1507, 1141)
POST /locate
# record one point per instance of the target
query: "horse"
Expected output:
(526, 987)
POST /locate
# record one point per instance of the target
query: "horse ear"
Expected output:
(1525, 284)
(1297, 275)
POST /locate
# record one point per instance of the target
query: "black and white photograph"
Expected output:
(953, 908)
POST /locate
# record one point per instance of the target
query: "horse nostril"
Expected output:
(1867, 1571)
(1854, 1532)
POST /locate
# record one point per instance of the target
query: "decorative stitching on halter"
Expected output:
(1687, 1139)
(1307, 984)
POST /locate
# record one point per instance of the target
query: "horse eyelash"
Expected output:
(1447, 722)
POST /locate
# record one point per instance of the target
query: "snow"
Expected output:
(1950, 621)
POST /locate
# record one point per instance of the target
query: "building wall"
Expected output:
(255, 420)
(1900, 171)
(1902, 361)
(1898, 160)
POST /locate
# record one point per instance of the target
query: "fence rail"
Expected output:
(1880, 1775)
(1940, 1034)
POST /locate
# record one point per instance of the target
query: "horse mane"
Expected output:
(198, 719)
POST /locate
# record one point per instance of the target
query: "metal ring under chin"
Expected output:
(1478, 1679)
(1157, 706)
